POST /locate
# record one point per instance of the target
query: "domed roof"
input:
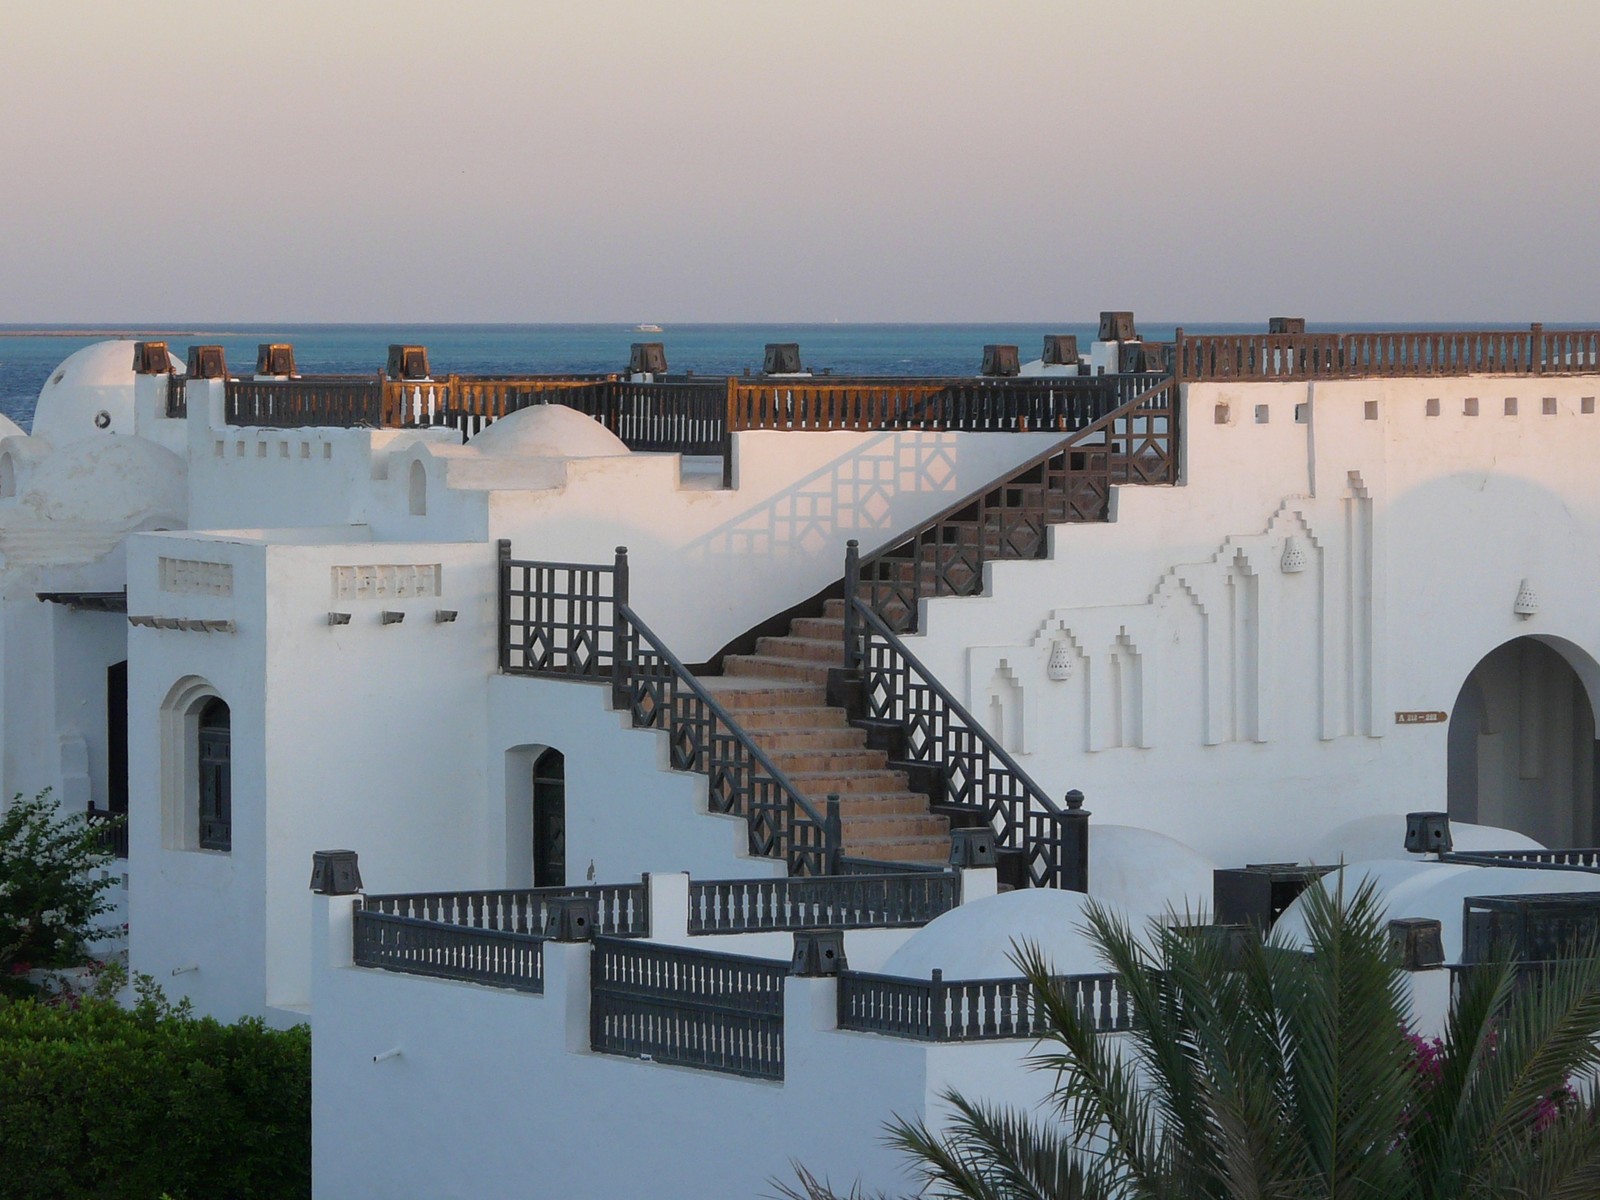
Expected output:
(1384, 836)
(1145, 873)
(974, 941)
(89, 394)
(1425, 888)
(548, 431)
(113, 481)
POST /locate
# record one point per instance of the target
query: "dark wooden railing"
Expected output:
(850, 902)
(113, 829)
(622, 910)
(470, 403)
(559, 618)
(573, 621)
(692, 1008)
(418, 947)
(1036, 404)
(686, 416)
(979, 775)
(344, 401)
(1257, 356)
(1137, 442)
(941, 1010)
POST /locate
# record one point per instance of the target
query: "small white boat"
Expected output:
(647, 329)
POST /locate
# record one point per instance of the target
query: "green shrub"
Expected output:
(49, 897)
(106, 1102)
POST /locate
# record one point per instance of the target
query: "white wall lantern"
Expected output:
(1294, 556)
(1527, 601)
(1059, 667)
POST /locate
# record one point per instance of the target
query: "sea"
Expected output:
(29, 354)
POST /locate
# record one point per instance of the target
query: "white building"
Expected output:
(1255, 612)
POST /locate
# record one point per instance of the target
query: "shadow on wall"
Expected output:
(854, 494)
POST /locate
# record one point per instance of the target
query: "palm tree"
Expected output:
(1256, 1070)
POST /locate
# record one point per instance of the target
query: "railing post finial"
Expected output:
(503, 556)
(852, 582)
(620, 653)
(1075, 853)
(832, 836)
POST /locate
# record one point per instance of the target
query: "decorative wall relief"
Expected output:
(1059, 666)
(186, 576)
(386, 581)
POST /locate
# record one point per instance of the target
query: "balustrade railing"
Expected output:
(687, 416)
(448, 951)
(979, 775)
(1581, 859)
(573, 621)
(693, 1008)
(621, 910)
(1247, 356)
(849, 902)
(1136, 442)
(1035, 404)
(944, 1010)
(344, 401)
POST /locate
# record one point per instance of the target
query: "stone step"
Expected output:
(811, 650)
(833, 609)
(761, 666)
(781, 741)
(765, 693)
(917, 850)
(824, 628)
(876, 803)
(799, 720)
(817, 784)
(826, 761)
(894, 825)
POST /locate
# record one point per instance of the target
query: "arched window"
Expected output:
(419, 490)
(214, 764)
(8, 476)
(550, 820)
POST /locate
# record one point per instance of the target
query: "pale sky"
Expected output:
(479, 160)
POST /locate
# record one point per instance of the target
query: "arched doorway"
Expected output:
(1522, 746)
(550, 820)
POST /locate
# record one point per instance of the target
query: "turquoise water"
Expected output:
(26, 361)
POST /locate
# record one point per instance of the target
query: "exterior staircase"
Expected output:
(779, 695)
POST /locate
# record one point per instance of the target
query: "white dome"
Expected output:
(1425, 888)
(89, 394)
(1145, 873)
(548, 431)
(114, 481)
(975, 940)
(1384, 836)
(9, 428)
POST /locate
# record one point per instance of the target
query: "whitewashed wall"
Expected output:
(496, 1093)
(365, 735)
(627, 811)
(1244, 709)
(709, 563)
